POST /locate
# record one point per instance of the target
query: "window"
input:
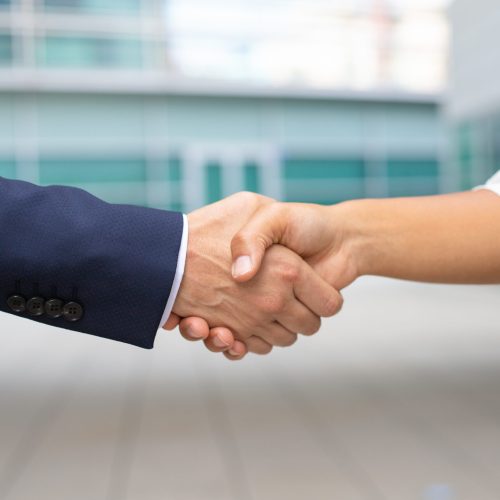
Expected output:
(412, 167)
(213, 183)
(71, 52)
(323, 180)
(4, 3)
(7, 168)
(91, 170)
(465, 154)
(413, 177)
(413, 187)
(113, 6)
(252, 180)
(6, 51)
(323, 168)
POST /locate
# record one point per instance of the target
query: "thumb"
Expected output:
(248, 247)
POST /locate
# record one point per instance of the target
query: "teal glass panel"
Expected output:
(175, 207)
(8, 168)
(252, 178)
(167, 170)
(323, 180)
(323, 191)
(78, 171)
(323, 168)
(6, 49)
(4, 3)
(213, 182)
(465, 155)
(496, 145)
(175, 169)
(131, 193)
(412, 167)
(112, 6)
(413, 186)
(71, 52)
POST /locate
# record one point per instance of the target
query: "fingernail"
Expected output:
(242, 265)
(219, 342)
(233, 352)
(194, 334)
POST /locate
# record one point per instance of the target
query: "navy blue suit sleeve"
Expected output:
(107, 269)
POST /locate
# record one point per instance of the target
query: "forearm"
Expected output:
(449, 239)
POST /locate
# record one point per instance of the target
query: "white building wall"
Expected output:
(475, 59)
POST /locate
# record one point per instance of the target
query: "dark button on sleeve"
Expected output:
(35, 306)
(16, 303)
(73, 311)
(54, 308)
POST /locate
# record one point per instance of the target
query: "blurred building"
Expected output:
(91, 94)
(474, 97)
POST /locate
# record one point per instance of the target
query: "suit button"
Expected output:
(54, 308)
(16, 303)
(35, 306)
(73, 311)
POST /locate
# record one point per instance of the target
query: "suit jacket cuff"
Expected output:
(179, 273)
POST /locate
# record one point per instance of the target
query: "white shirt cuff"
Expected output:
(493, 184)
(179, 272)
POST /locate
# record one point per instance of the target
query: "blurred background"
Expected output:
(177, 103)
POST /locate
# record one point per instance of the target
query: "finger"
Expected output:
(172, 321)
(315, 293)
(249, 245)
(237, 352)
(194, 328)
(220, 339)
(277, 335)
(298, 318)
(258, 346)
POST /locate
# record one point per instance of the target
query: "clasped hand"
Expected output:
(241, 290)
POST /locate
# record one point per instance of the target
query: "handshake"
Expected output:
(258, 273)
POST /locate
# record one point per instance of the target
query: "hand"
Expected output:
(319, 234)
(286, 298)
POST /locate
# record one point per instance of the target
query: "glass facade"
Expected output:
(476, 149)
(91, 6)
(7, 168)
(74, 52)
(412, 168)
(213, 182)
(170, 151)
(6, 49)
(79, 171)
(83, 34)
(252, 179)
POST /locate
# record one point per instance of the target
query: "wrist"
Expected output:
(358, 236)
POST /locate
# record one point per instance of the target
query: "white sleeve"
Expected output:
(493, 184)
(179, 272)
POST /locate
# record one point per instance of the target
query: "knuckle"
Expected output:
(265, 350)
(332, 305)
(239, 239)
(252, 199)
(272, 304)
(261, 348)
(288, 340)
(247, 196)
(289, 272)
(312, 327)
